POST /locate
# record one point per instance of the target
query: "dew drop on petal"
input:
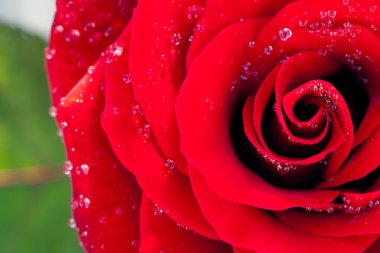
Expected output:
(58, 29)
(136, 110)
(282, 169)
(52, 112)
(86, 202)
(251, 44)
(72, 36)
(63, 124)
(170, 165)
(49, 53)
(193, 12)
(176, 39)
(157, 211)
(268, 50)
(85, 169)
(134, 243)
(72, 223)
(90, 70)
(67, 168)
(285, 34)
(127, 79)
(302, 23)
(102, 220)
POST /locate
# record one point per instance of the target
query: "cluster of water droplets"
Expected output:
(281, 167)
(345, 208)
(113, 52)
(80, 202)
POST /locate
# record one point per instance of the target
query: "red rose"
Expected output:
(220, 126)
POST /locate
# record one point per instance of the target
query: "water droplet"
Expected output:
(157, 211)
(176, 39)
(247, 72)
(330, 209)
(323, 14)
(127, 79)
(314, 26)
(86, 202)
(346, 2)
(193, 12)
(302, 23)
(268, 50)
(84, 169)
(282, 169)
(251, 44)
(309, 208)
(102, 220)
(199, 28)
(58, 29)
(72, 223)
(285, 34)
(52, 112)
(84, 234)
(49, 53)
(90, 70)
(373, 8)
(346, 24)
(119, 211)
(136, 110)
(72, 36)
(331, 14)
(134, 243)
(89, 26)
(67, 168)
(170, 165)
(117, 50)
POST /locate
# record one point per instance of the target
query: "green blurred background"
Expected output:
(34, 194)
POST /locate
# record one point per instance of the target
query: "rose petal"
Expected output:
(333, 224)
(158, 50)
(218, 14)
(161, 234)
(365, 157)
(374, 248)
(80, 32)
(135, 146)
(261, 231)
(106, 197)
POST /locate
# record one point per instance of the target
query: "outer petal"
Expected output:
(135, 145)
(106, 197)
(260, 231)
(81, 31)
(161, 234)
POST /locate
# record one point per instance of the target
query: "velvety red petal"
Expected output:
(106, 197)
(374, 248)
(333, 224)
(161, 234)
(218, 14)
(365, 157)
(157, 66)
(135, 145)
(262, 232)
(80, 32)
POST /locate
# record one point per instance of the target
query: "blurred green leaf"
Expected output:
(34, 219)
(27, 133)
(34, 215)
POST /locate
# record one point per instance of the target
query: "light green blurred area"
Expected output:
(34, 196)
